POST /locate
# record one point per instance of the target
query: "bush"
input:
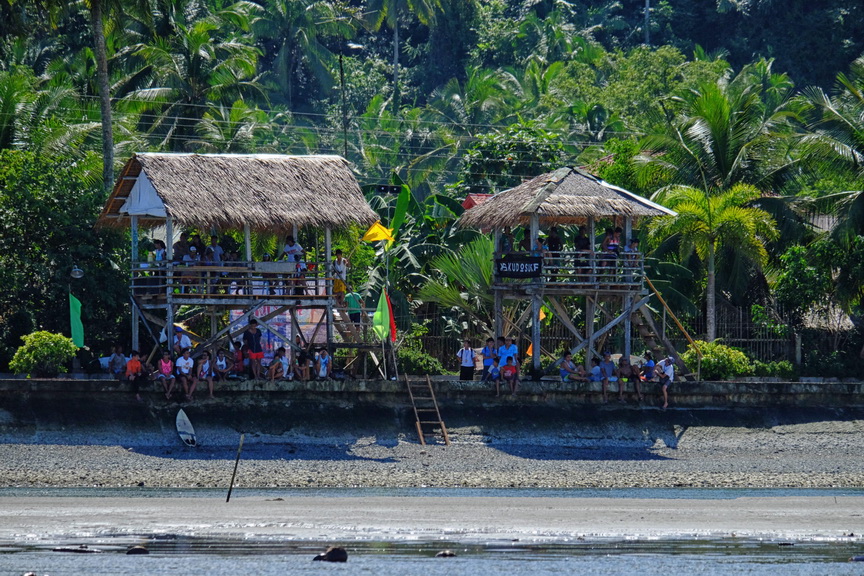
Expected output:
(413, 359)
(719, 362)
(43, 354)
(781, 369)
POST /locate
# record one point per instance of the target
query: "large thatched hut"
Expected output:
(252, 193)
(567, 196)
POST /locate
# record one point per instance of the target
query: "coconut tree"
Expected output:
(710, 222)
(837, 141)
(380, 12)
(725, 133)
(207, 61)
(293, 33)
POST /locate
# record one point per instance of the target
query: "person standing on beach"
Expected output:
(667, 377)
(466, 361)
(252, 340)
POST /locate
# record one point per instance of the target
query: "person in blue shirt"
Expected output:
(610, 374)
(570, 371)
(494, 375)
(508, 349)
(488, 353)
(648, 367)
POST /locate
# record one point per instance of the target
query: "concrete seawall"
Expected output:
(50, 410)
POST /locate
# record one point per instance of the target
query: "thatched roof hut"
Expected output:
(565, 196)
(266, 192)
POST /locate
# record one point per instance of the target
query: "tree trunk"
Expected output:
(710, 304)
(104, 95)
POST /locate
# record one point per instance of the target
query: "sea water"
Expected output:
(392, 555)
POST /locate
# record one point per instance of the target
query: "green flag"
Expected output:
(381, 318)
(77, 327)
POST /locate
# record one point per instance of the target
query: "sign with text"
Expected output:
(519, 266)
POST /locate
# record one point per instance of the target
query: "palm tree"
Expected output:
(292, 33)
(725, 133)
(380, 11)
(709, 222)
(207, 61)
(837, 141)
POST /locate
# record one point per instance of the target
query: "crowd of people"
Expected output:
(501, 365)
(612, 253)
(178, 373)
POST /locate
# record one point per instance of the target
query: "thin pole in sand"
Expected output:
(236, 462)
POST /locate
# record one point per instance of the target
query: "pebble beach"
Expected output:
(813, 454)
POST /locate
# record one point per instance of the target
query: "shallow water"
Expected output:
(218, 557)
(398, 553)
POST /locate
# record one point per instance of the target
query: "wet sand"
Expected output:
(461, 519)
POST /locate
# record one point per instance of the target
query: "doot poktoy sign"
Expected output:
(518, 266)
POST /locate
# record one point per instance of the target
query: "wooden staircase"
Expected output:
(429, 422)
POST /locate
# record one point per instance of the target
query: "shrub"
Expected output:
(719, 362)
(413, 359)
(781, 369)
(43, 354)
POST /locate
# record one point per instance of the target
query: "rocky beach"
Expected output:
(583, 449)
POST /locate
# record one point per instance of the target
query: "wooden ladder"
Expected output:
(426, 410)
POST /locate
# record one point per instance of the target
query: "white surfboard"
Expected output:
(185, 429)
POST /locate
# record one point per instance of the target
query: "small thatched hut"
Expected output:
(249, 192)
(264, 192)
(565, 196)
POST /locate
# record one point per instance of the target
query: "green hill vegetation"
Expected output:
(747, 116)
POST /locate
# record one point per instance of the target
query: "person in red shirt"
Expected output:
(510, 374)
(135, 373)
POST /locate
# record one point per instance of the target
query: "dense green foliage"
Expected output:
(450, 97)
(719, 362)
(43, 354)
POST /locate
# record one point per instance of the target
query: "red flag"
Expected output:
(392, 319)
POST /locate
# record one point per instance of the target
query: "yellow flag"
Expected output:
(378, 232)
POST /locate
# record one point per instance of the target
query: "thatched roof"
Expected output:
(269, 192)
(565, 196)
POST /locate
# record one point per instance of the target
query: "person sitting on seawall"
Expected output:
(205, 373)
(165, 374)
(185, 368)
(280, 366)
(323, 365)
(494, 375)
(667, 377)
(466, 361)
(647, 371)
(135, 374)
(510, 375)
(570, 372)
(221, 366)
(626, 374)
(596, 375)
(610, 374)
(117, 363)
(301, 361)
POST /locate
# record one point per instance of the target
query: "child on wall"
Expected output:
(165, 374)
(510, 375)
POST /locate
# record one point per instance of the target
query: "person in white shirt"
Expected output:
(185, 373)
(292, 249)
(667, 377)
(466, 361)
(181, 340)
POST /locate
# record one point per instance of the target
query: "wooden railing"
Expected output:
(229, 279)
(625, 271)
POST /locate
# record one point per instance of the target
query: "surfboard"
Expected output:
(185, 429)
